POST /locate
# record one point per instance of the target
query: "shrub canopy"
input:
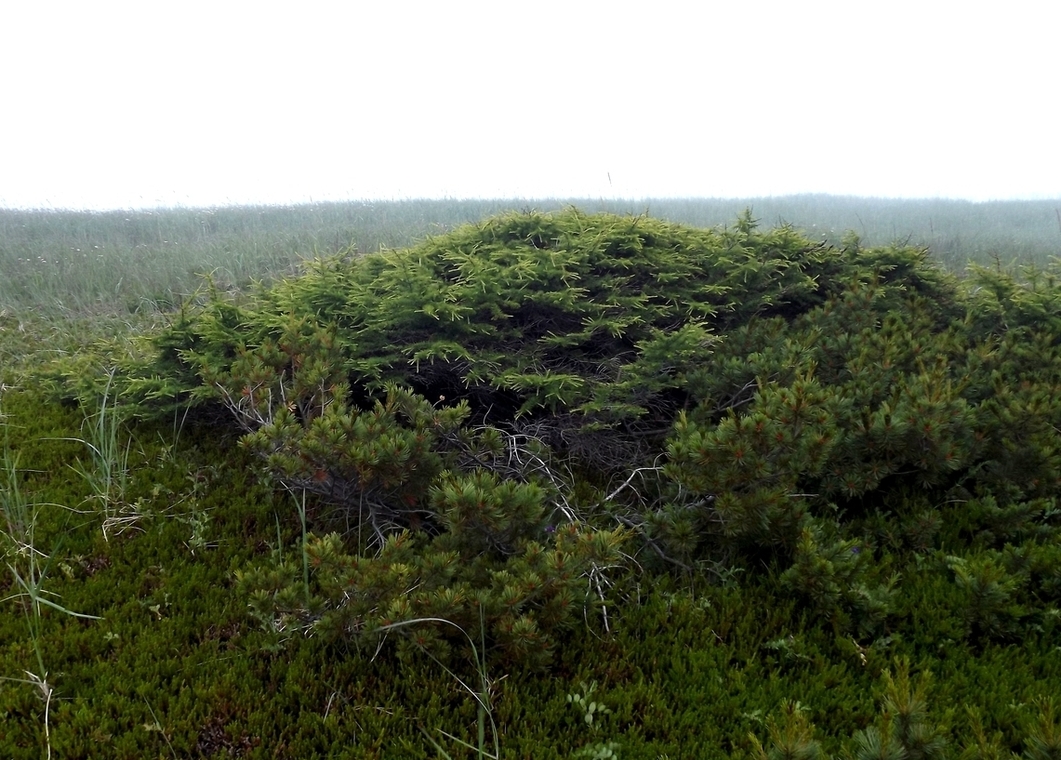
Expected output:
(564, 323)
(726, 396)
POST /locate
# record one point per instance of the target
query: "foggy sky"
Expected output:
(137, 104)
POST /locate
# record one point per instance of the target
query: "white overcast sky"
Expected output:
(117, 105)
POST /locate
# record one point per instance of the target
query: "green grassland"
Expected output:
(128, 260)
(825, 587)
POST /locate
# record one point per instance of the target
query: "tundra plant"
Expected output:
(107, 472)
(28, 567)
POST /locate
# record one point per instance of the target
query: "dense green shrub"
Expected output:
(377, 382)
(894, 501)
(737, 398)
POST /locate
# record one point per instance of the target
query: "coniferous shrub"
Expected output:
(922, 524)
(379, 382)
(791, 738)
(734, 396)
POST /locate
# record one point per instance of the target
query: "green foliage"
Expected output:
(1044, 735)
(175, 663)
(760, 396)
(591, 711)
(150, 259)
(991, 607)
(1004, 590)
(791, 739)
(712, 471)
(574, 335)
(107, 472)
(835, 577)
(525, 596)
(906, 710)
(905, 728)
(379, 463)
(978, 745)
(600, 317)
(750, 464)
(590, 708)
(28, 566)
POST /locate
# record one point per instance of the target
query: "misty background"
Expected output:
(200, 104)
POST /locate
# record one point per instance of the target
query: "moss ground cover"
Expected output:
(749, 494)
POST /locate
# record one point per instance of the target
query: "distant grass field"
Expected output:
(124, 262)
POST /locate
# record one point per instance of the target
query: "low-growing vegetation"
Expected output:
(546, 485)
(133, 262)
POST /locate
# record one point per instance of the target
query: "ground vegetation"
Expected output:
(549, 485)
